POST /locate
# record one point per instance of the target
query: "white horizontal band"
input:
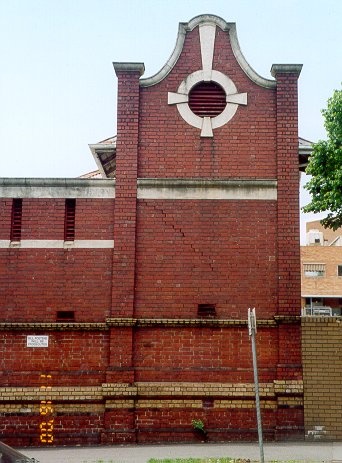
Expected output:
(57, 188)
(207, 189)
(155, 188)
(58, 244)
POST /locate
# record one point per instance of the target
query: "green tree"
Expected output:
(325, 167)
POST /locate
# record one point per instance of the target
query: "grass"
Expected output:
(201, 460)
(215, 460)
(198, 460)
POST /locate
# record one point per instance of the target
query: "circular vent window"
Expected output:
(207, 99)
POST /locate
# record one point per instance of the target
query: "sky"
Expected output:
(58, 86)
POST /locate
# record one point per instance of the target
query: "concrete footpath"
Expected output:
(303, 451)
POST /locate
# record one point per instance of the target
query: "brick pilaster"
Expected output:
(121, 367)
(288, 188)
(126, 188)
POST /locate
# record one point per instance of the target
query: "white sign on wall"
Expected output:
(37, 341)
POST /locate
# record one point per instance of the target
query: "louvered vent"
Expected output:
(65, 316)
(207, 99)
(69, 220)
(17, 206)
(206, 310)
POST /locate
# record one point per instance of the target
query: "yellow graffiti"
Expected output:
(46, 411)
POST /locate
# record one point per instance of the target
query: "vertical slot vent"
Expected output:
(17, 208)
(69, 220)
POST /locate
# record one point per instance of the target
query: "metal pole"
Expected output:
(252, 332)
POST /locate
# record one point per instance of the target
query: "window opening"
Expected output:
(69, 220)
(314, 270)
(339, 270)
(17, 208)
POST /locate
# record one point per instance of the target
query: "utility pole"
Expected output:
(252, 329)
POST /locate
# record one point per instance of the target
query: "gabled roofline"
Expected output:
(304, 151)
(106, 146)
(227, 27)
(109, 145)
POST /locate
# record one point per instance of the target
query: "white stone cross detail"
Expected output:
(207, 74)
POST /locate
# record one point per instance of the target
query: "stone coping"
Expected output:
(144, 322)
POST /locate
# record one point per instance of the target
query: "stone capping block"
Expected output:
(128, 67)
(57, 188)
(177, 188)
(286, 69)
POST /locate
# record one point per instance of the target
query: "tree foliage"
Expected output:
(325, 167)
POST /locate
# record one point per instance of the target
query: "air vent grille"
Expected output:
(69, 220)
(207, 99)
(17, 206)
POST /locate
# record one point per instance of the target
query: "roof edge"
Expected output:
(225, 26)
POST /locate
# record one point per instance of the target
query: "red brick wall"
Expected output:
(288, 193)
(169, 256)
(200, 252)
(68, 429)
(84, 359)
(245, 147)
(37, 282)
(125, 193)
(43, 219)
(201, 354)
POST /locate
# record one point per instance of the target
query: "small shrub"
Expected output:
(198, 425)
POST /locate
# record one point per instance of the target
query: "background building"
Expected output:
(321, 331)
(322, 270)
(124, 299)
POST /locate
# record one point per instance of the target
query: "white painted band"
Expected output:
(57, 188)
(207, 189)
(58, 244)
(168, 188)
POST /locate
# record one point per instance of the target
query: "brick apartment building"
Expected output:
(124, 299)
(322, 271)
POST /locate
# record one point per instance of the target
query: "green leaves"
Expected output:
(325, 167)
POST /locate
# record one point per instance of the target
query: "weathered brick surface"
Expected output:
(206, 252)
(288, 194)
(203, 354)
(139, 365)
(72, 357)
